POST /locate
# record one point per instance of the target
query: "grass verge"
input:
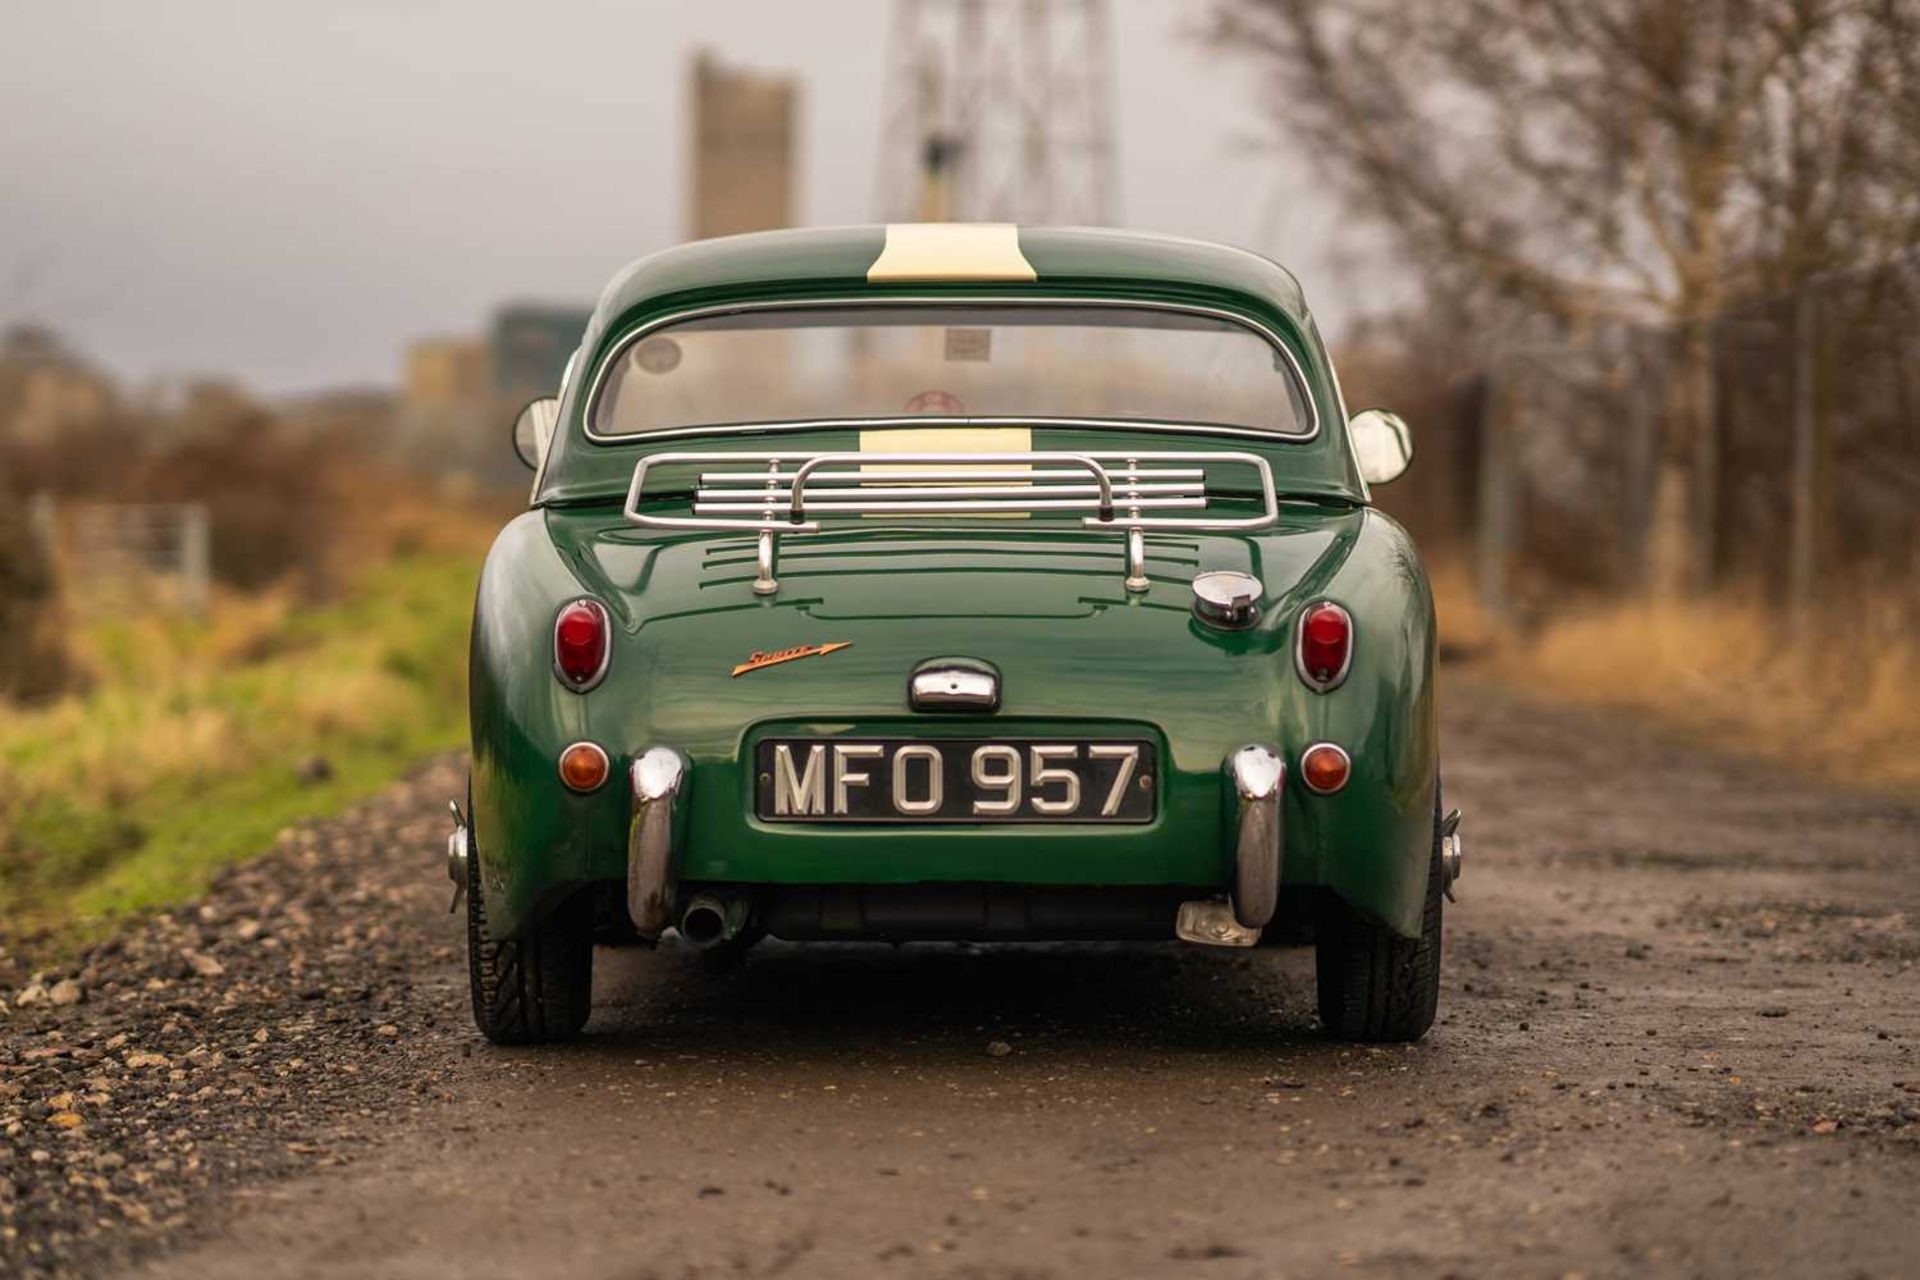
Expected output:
(200, 741)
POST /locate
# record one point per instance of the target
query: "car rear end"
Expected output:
(1036, 597)
(947, 729)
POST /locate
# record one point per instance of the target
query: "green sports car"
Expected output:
(942, 582)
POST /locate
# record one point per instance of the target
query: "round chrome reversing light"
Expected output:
(1227, 598)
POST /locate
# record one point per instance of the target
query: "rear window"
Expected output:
(1119, 364)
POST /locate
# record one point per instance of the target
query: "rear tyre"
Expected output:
(1375, 985)
(536, 988)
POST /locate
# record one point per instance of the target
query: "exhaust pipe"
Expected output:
(710, 920)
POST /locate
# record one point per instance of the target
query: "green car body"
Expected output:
(1079, 655)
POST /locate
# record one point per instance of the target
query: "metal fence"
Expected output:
(144, 554)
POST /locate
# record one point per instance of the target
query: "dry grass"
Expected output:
(1842, 700)
(186, 750)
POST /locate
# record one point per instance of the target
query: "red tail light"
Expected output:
(1325, 645)
(581, 641)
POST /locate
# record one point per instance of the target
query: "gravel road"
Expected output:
(1677, 1037)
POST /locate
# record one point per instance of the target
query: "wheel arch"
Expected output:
(1370, 842)
(532, 846)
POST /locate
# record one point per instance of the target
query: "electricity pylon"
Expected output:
(998, 111)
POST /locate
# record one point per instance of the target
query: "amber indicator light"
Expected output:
(583, 766)
(1324, 768)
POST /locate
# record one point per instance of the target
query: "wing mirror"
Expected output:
(1382, 445)
(533, 429)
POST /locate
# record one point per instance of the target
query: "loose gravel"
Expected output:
(1677, 1037)
(273, 1027)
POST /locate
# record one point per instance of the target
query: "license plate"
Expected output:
(954, 780)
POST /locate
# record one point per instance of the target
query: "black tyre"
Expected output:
(1375, 985)
(536, 988)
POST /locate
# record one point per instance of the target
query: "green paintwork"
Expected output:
(1040, 598)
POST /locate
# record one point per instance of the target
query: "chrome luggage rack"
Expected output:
(771, 494)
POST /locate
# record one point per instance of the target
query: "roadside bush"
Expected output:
(32, 665)
(275, 498)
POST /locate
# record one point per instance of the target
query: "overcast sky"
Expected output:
(289, 192)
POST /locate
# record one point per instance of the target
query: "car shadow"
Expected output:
(941, 998)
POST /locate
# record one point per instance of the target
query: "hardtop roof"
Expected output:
(843, 257)
(948, 262)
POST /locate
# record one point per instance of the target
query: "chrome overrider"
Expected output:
(659, 778)
(459, 850)
(1453, 853)
(1255, 776)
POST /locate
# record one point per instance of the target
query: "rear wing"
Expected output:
(772, 494)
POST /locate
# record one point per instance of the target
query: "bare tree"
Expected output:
(1656, 161)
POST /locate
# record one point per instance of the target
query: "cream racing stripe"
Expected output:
(951, 251)
(948, 440)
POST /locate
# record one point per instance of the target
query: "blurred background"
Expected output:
(1643, 274)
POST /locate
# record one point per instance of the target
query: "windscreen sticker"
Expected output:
(658, 355)
(970, 345)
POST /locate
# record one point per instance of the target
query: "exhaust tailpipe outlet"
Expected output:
(710, 920)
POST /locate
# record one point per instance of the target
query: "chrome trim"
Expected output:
(993, 503)
(765, 561)
(606, 657)
(1453, 853)
(1211, 924)
(606, 766)
(1137, 579)
(459, 846)
(591, 400)
(1340, 407)
(723, 499)
(985, 501)
(658, 780)
(1386, 420)
(1137, 582)
(1111, 493)
(546, 446)
(459, 853)
(1255, 775)
(1102, 482)
(1227, 598)
(729, 919)
(954, 686)
(748, 481)
(1300, 647)
(1344, 758)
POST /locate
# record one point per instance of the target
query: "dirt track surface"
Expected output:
(1678, 1038)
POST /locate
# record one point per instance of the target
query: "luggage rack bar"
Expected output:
(770, 494)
